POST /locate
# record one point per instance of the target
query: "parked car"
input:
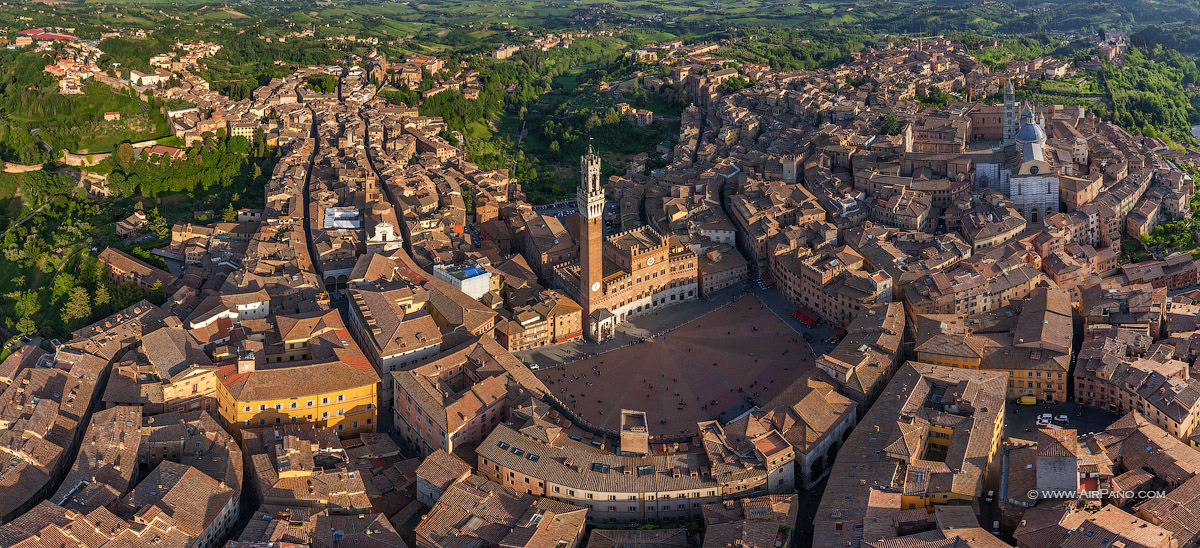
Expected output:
(1046, 417)
(1026, 400)
(1062, 418)
(991, 495)
(995, 527)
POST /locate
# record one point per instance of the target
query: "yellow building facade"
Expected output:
(937, 445)
(339, 395)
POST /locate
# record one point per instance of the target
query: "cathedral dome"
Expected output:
(1031, 133)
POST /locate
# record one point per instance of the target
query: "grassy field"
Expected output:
(1082, 90)
(396, 19)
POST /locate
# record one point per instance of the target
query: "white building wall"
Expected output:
(475, 287)
(397, 362)
(254, 311)
(1035, 194)
(666, 297)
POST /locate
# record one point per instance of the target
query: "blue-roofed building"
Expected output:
(470, 278)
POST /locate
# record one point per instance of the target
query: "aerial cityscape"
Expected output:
(599, 274)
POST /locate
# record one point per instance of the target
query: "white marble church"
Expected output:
(1021, 170)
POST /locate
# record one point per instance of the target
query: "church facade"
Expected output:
(1020, 169)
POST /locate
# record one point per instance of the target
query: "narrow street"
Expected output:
(308, 239)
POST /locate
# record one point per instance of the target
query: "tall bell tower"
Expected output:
(1010, 114)
(590, 196)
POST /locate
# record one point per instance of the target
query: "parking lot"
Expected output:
(1021, 420)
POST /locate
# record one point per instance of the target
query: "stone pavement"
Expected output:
(714, 367)
(630, 332)
(667, 319)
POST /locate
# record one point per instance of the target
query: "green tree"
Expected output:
(78, 307)
(45, 185)
(158, 294)
(260, 142)
(449, 137)
(735, 84)
(229, 215)
(889, 125)
(27, 326)
(64, 283)
(125, 155)
(157, 223)
(935, 98)
(325, 83)
(102, 296)
(27, 304)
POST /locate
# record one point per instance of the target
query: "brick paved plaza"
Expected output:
(738, 356)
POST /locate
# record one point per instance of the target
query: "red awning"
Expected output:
(806, 316)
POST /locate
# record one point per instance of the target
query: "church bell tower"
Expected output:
(1010, 114)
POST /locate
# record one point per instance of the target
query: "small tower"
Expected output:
(590, 196)
(1010, 114)
(245, 361)
(790, 168)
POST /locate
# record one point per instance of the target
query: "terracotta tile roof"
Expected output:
(186, 496)
(126, 263)
(1112, 526)
(441, 469)
(106, 462)
(362, 531)
(285, 381)
(1136, 443)
(1178, 512)
(1058, 442)
(298, 462)
(567, 462)
(205, 444)
(750, 522)
(455, 308)
(487, 372)
(24, 357)
(172, 350)
(638, 538)
(492, 514)
(919, 394)
(803, 414)
(396, 318)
